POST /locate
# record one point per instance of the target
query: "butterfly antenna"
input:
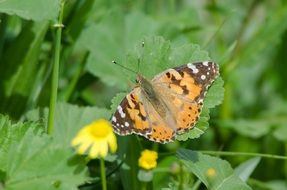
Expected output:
(139, 59)
(126, 68)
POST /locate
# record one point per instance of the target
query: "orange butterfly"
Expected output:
(167, 105)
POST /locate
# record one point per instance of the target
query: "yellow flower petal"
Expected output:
(103, 146)
(148, 159)
(83, 148)
(112, 143)
(98, 137)
(94, 152)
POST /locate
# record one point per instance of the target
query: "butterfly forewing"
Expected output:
(130, 116)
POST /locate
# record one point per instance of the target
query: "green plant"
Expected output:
(73, 43)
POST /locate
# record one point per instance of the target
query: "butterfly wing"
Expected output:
(183, 89)
(130, 116)
(136, 115)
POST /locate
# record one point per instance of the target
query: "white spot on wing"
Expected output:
(205, 63)
(114, 119)
(122, 126)
(120, 110)
(203, 77)
(127, 124)
(193, 68)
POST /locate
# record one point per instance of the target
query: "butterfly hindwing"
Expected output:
(160, 130)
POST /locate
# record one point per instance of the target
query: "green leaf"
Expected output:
(215, 94)
(31, 9)
(69, 119)
(11, 134)
(110, 39)
(250, 128)
(30, 159)
(280, 133)
(38, 114)
(213, 172)
(245, 169)
(159, 54)
(117, 100)
(38, 163)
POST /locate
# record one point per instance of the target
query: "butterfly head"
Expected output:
(140, 79)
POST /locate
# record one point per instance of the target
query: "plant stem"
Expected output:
(285, 165)
(221, 153)
(144, 184)
(55, 75)
(103, 174)
(257, 183)
(180, 176)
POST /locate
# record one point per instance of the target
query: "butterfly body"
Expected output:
(167, 105)
(151, 94)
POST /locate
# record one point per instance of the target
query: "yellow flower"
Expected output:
(148, 159)
(95, 139)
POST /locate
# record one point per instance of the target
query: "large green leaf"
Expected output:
(245, 169)
(31, 159)
(12, 134)
(158, 54)
(213, 172)
(110, 39)
(31, 9)
(38, 163)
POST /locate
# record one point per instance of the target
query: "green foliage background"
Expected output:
(248, 39)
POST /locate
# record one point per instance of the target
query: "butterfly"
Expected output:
(167, 105)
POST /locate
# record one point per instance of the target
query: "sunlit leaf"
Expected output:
(245, 169)
(34, 161)
(212, 171)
